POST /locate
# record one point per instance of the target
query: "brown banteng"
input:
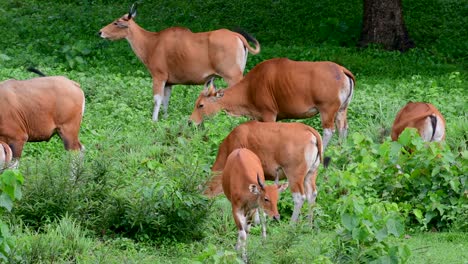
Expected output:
(424, 117)
(243, 184)
(34, 110)
(178, 56)
(5, 156)
(286, 150)
(281, 88)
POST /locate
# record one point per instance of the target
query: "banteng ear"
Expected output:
(219, 94)
(282, 187)
(254, 189)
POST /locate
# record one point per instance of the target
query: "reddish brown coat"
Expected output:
(286, 150)
(178, 56)
(424, 117)
(243, 184)
(34, 110)
(281, 89)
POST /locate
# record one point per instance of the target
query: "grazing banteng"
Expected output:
(281, 88)
(424, 117)
(34, 110)
(243, 184)
(178, 56)
(5, 156)
(286, 150)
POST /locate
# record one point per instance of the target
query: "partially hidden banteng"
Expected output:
(34, 110)
(424, 117)
(178, 56)
(284, 89)
(5, 156)
(243, 184)
(286, 150)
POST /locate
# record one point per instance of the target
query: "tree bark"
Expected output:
(383, 24)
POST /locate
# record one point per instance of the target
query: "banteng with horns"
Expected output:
(281, 89)
(178, 56)
(243, 184)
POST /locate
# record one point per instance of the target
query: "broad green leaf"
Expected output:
(349, 221)
(394, 227)
(6, 202)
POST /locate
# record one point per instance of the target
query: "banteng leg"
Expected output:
(327, 115)
(311, 190)
(69, 135)
(241, 223)
(167, 95)
(296, 181)
(158, 96)
(341, 123)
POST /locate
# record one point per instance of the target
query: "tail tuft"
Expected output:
(36, 71)
(326, 162)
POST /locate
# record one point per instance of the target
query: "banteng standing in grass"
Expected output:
(5, 156)
(178, 56)
(243, 184)
(281, 88)
(286, 150)
(424, 117)
(34, 110)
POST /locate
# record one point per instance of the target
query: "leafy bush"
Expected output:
(364, 232)
(10, 191)
(426, 180)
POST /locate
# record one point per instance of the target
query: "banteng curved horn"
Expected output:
(132, 12)
(210, 88)
(262, 186)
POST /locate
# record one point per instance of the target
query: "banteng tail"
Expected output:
(352, 82)
(434, 125)
(247, 38)
(36, 71)
(214, 185)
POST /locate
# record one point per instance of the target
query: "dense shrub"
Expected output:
(426, 180)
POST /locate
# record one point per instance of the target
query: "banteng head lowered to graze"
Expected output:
(178, 56)
(424, 117)
(36, 109)
(291, 151)
(243, 184)
(284, 89)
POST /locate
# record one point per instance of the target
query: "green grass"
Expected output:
(138, 197)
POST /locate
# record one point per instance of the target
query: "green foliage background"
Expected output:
(137, 198)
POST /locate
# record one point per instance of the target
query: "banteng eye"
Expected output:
(200, 106)
(266, 199)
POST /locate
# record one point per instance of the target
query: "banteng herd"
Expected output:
(275, 89)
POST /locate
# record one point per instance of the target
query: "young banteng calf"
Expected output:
(178, 56)
(286, 150)
(5, 156)
(280, 89)
(243, 184)
(34, 110)
(424, 117)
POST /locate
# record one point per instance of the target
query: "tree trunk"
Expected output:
(383, 24)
